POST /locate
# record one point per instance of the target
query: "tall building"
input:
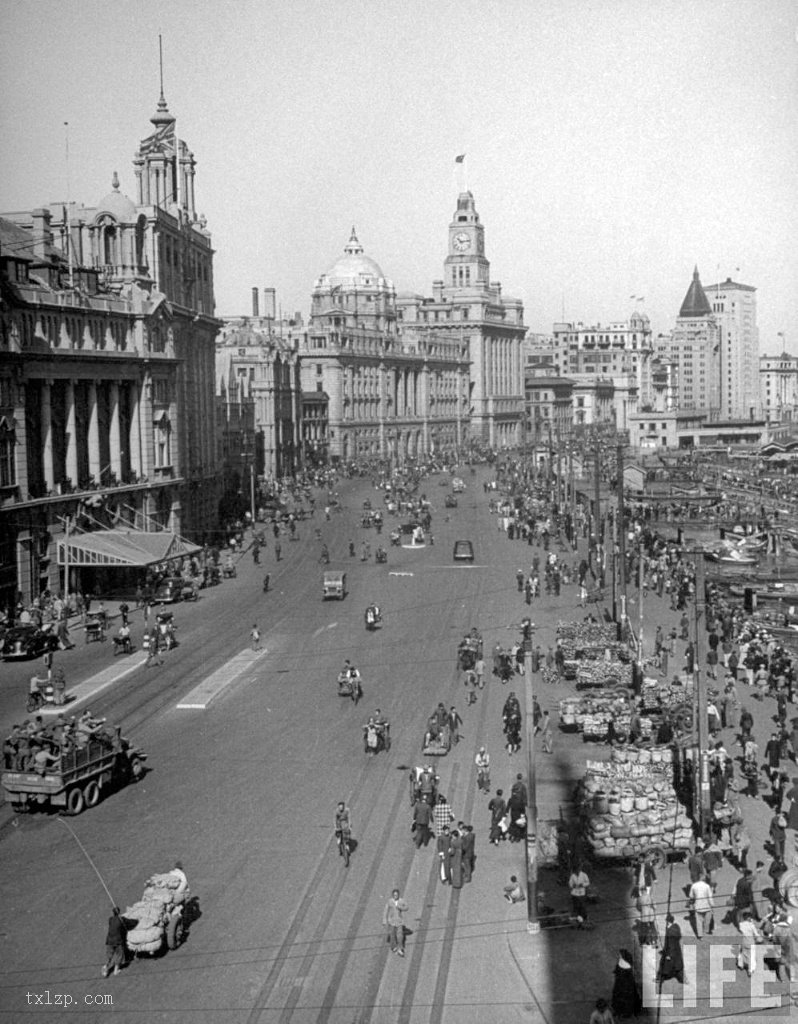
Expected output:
(778, 383)
(734, 307)
(467, 304)
(388, 396)
(694, 352)
(106, 380)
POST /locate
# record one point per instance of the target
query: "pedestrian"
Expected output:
(422, 820)
(546, 733)
(519, 579)
(443, 845)
(513, 892)
(578, 884)
(277, 550)
(626, 1000)
(778, 835)
(442, 814)
(751, 936)
(498, 809)
(455, 721)
(469, 852)
(123, 611)
(792, 810)
(393, 920)
(671, 964)
(701, 904)
(456, 859)
(782, 936)
(255, 637)
(115, 944)
(479, 671)
(518, 791)
(482, 761)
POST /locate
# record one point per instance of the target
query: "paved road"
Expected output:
(244, 792)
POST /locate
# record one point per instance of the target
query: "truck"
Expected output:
(78, 779)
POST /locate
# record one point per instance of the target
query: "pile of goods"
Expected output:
(152, 912)
(628, 804)
(590, 640)
(593, 674)
(656, 694)
(592, 715)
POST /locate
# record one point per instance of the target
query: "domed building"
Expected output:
(388, 398)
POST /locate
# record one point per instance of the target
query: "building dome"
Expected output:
(353, 270)
(119, 206)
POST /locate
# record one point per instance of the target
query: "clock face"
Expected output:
(462, 242)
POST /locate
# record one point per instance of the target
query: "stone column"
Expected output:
(45, 413)
(114, 439)
(135, 431)
(71, 438)
(94, 433)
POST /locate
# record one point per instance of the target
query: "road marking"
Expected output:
(209, 689)
(91, 687)
(400, 573)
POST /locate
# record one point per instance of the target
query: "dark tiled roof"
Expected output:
(695, 301)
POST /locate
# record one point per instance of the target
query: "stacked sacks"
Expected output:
(641, 810)
(147, 934)
(164, 888)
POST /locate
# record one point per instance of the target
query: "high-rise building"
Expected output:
(692, 348)
(734, 307)
(467, 304)
(778, 382)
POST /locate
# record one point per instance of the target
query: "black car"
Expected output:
(463, 551)
(27, 642)
(450, 501)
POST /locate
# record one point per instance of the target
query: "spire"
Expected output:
(161, 115)
(695, 301)
(353, 246)
(115, 182)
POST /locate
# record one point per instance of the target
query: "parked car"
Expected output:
(463, 551)
(27, 642)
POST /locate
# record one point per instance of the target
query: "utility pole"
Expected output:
(597, 498)
(571, 484)
(620, 516)
(699, 659)
(533, 924)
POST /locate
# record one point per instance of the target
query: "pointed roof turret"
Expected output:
(162, 115)
(695, 301)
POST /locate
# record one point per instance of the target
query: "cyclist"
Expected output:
(343, 824)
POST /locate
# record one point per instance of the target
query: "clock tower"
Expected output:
(466, 265)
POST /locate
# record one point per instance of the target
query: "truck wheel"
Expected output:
(91, 794)
(74, 801)
(174, 931)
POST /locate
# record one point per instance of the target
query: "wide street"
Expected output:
(244, 793)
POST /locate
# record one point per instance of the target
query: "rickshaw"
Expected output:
(94, 628)
(438, 734)
(349, 686)
(423, 785)
(468, 650)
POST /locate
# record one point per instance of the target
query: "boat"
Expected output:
(733, 556)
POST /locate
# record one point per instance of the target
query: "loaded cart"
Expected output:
(78, 778)
(158, 918)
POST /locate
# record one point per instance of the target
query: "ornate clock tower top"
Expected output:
(466, 265)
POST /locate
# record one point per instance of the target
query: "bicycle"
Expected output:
(344, 835)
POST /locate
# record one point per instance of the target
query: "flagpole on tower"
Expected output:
(462, 180)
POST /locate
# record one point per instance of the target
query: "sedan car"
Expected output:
(169, 590)
(463, 551)
(27, 642)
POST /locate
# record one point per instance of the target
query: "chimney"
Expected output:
(42, 235)
(255, 302)
(269, 303)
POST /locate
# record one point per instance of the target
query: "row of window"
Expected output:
(72, 332)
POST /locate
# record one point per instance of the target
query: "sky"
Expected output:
(611, 144)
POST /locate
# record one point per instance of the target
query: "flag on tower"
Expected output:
(460, 159)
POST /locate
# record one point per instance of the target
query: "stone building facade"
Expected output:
(693, 350)
(387, 396)
(734, 308)
(106, 380)
(778, 383)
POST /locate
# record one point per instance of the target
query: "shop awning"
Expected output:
(123, 547)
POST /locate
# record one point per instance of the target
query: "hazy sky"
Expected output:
(611, 144)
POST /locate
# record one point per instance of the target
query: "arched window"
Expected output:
(109, 244)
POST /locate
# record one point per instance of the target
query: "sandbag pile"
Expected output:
(628, 807)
